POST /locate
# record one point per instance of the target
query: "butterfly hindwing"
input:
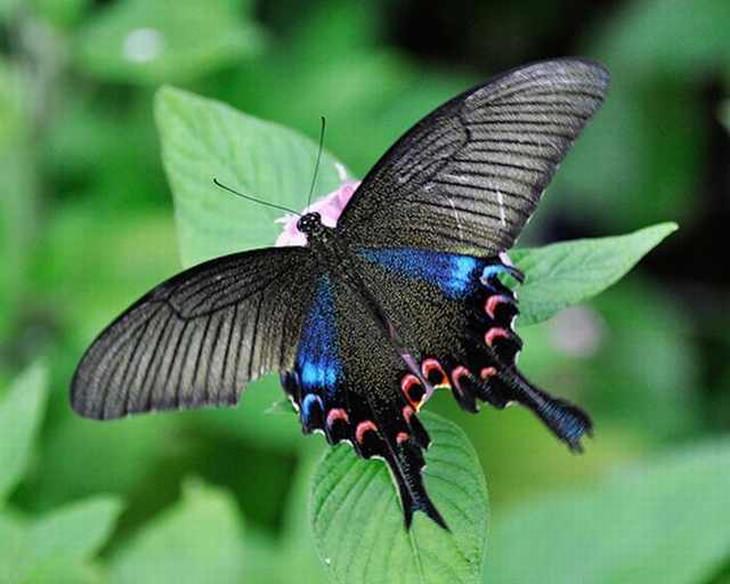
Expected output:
(345, 383)
(469, 175)
(197, 339)
(455, 316)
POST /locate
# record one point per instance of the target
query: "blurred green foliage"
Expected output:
(86, 226)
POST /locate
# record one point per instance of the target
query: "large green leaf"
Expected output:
(203, 139)
(563, 274)
(663, 521)
(358, 522)
(198, 540)
(21, 411)
(153, 41)
(58, 546)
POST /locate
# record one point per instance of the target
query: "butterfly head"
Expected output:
(310, 224)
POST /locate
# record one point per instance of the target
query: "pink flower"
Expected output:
(330, 207)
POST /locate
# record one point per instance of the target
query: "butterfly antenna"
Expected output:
(219, 184)
(319, 158)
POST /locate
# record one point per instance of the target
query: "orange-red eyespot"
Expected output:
(495, 333)
(407, 413)
(336, 414)
(434, 373)
(490, 306)
(363, 428)
(401, 437)
(488, 372)
(412, 389)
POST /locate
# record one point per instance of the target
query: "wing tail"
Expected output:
(405, 462)
(566, 420)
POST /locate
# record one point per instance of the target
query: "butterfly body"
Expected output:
(406, 296)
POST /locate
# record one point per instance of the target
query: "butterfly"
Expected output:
(407, 294)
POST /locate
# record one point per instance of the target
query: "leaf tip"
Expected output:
(167, 98)
(667, 227)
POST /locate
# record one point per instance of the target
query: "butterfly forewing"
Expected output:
(469, 175)
(196, 339)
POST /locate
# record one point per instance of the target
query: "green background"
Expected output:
(86, 226)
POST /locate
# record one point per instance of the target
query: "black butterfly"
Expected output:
(403, 297)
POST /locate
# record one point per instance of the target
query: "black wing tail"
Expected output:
(496, 378)
(405, 462)
(400, 442)
(566, 420)
(387, 430)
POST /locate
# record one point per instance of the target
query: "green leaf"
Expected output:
(198, 540)
(662, 521)
(12, 547)
(151, 42)
(203, 139)
(567, 273)
(358, 522)
(76, 531)
(59, 546)
(21, 412)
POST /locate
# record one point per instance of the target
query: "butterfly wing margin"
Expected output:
(196, 339)
(468, 176)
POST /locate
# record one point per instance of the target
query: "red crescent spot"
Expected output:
(428, 366)
(490, 307)
(337, 414)
(406, 384)
(488, 372)
(495, 333)
(362, 427)
(401, 437)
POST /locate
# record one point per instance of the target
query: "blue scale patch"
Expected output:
(310, 401)
(455, 274)
(491, 271)
(317, 358)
